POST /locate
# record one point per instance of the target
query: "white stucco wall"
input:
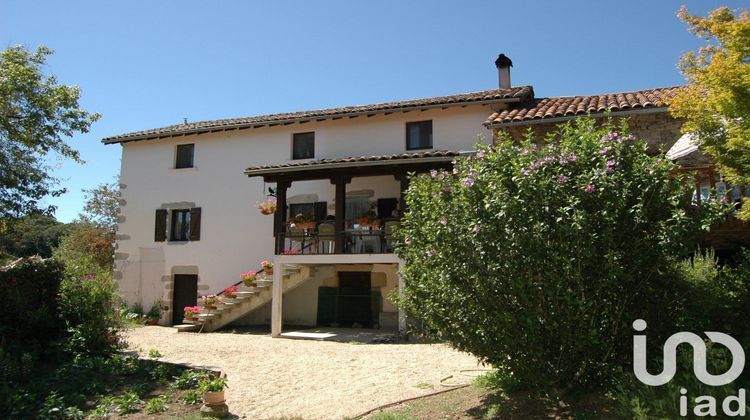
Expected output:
(235, 237)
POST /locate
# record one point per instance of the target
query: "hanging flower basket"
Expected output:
(267, 207)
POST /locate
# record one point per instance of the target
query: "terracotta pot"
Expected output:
(267, 211)
(268, 271)
(152, 321)
(213, 398)
(209, 306)
(190, 318)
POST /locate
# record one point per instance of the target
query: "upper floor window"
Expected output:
(419, 135)
(184, 156)
(303, 145)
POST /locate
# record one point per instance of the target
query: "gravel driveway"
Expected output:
(282, 377)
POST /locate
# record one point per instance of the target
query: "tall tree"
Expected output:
(102, 206)
(716, 102)
(36, 113)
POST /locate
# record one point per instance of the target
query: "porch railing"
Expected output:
(371, 240)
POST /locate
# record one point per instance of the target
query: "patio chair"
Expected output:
(389, 228)
(296, 235)
(326, 238)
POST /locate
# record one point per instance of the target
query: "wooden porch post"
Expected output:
(404, 185)
(340, 222)
(279, 225)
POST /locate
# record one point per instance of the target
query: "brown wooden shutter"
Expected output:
(195, 224)
(160, 227)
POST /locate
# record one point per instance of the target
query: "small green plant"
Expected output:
(105, 407)
(189, 379)
(208, 384)
(128, 402)
(154, 354)
(191, 397)
(157, 405)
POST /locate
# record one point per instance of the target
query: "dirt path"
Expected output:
(282, 377)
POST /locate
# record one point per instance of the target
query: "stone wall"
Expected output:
(658, 129)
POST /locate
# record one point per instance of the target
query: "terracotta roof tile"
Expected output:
(493, 95)
(541, 108)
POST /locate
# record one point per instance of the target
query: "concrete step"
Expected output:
(187, 327)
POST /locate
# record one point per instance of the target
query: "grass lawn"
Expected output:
(481, 401)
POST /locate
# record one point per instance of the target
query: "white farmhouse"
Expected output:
(189, 222)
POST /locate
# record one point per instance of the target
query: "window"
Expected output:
(184, 156)
(419, 135)
(303, 145)
(180, 225)
(307, 210)
(185, 225)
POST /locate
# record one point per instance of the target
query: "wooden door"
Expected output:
(185, 293)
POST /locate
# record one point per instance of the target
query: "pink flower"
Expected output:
(480, 154)
(430, 253)
(444, 221)
(476, 228)
(562, 179)
(589, 188)
(433, 173)
(604, 150)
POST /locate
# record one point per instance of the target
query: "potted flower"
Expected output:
(248, 279)
(213, 390)
(267, 266)
(302, 221)
(191, 313)
(267, 207)
(369, 219)
(291, 251)
(210, 301)
(231, 292)
(153, 315)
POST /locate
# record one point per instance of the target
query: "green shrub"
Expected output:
(538, 259)
(209, 384)
(29, 321)
(128, 402)
(89, 307)
(189, 379)
(157, 405)
(191, 397)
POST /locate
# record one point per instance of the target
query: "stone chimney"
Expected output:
(503, 65)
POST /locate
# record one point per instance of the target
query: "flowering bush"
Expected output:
(537, 259)
(231, 292)
(268, 206)
(191, 311)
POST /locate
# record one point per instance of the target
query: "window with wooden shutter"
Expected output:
(195, 224)
(160, 227)
(180, 225)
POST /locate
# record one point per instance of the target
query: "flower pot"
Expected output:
(268, 271)
(209, 306)
(152, 321)
(230, 295)
(267, 211)
(213, 398)
(190, 318)
(249, 282)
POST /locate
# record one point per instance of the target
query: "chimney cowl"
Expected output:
(503, 61)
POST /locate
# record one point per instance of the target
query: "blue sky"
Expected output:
(145, 64)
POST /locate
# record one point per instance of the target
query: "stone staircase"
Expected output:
(248, 299)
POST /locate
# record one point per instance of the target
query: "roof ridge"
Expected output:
(610, 93)
(515, 92)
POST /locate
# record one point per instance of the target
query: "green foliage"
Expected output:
(35, 114)
(89, 306)
(128, 402)
(157, 405)
(154, 353)
(716, 103)
(209, 384)
(87, 242)
(538, 259)
(29, 321)
(102, 207)
(189, 379)
(33, 234)
(191, 397)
